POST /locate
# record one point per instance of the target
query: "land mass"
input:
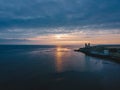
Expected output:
(111, 52)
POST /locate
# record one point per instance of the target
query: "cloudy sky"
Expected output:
(59, 21)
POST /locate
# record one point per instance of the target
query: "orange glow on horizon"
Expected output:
(58, 36)
(77, 38)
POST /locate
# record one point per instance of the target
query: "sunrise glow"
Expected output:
(58, 36)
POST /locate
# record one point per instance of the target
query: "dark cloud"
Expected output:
(14, 41)
(42, 13)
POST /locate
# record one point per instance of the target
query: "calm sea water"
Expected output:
(24, 67)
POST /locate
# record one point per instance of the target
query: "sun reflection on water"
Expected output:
(59, 62)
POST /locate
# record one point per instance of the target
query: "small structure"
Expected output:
(87, 45)
(106, 52)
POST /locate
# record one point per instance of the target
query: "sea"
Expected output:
(49, 67)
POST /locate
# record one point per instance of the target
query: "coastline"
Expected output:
(109, 52)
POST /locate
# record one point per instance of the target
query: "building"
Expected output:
(87, 45)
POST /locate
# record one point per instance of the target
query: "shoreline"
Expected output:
(102, 51)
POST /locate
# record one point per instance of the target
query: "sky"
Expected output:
(59, 22)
